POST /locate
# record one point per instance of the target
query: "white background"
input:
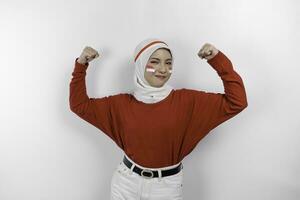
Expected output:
(48, 153)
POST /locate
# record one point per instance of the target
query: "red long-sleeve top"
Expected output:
(162, 133)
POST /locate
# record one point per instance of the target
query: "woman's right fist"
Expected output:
(88, 54)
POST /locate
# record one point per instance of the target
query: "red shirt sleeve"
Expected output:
(96, 111)
(222, 106)
(211, 109)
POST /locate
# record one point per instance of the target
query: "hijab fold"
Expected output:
(143, 91)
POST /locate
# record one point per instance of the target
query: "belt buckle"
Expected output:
(149, 171)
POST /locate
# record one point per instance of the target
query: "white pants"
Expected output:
(128, 185)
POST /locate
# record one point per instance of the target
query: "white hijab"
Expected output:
(145, 92)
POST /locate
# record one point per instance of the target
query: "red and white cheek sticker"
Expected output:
(150, 68)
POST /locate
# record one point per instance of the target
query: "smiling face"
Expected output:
(158, 68)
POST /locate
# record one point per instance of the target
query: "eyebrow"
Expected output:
(159, 59)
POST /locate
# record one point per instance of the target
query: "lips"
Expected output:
(160, 77)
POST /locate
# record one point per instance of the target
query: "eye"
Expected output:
(153, 62)
(169, 63)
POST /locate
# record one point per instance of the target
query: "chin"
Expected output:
(158, 85)
(155, 83)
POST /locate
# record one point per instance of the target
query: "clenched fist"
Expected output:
(207, 51)
(88, 54)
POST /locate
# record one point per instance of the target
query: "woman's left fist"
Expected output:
(208, 51)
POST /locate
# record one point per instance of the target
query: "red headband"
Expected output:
(147, 47)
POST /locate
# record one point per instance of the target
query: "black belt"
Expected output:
(151, 173)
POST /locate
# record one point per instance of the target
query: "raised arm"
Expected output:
(223, 106)
(208, 109)
(93, 110)
(97, 111)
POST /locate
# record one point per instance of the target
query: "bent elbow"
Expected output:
(234, 108)
(243, 106)
(71, 106)
(74, 109)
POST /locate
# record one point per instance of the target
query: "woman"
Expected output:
(156, 125)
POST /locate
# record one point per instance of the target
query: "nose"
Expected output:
(163, 68)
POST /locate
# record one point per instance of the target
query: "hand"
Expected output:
(88, 54)
(208, 51)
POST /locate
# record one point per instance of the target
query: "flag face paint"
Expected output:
(150, 68)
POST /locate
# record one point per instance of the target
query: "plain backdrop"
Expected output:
(48, 153)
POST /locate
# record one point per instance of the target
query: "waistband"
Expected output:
(158, 168)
